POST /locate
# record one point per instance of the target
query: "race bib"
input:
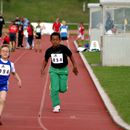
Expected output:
(57, 58)
(4, 70)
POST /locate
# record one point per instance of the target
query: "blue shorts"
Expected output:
(3, 87)
(64, 38)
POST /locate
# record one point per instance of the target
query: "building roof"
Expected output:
(123, 2)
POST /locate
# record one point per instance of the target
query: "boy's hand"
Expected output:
(75, 70)
(19, 84)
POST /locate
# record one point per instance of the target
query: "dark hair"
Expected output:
(55, 34)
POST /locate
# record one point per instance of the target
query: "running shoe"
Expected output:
(56, 109)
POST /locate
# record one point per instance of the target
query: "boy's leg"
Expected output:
(27, 44)
(54, 89)
(13, 45)
(63, 83)
(39, 45)
(36, 45)
(2, 100)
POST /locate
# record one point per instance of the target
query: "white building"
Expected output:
(113, 33)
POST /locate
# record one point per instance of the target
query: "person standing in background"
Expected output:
(2, 22)
(12, 35)
(80, 36)
(30, 31)
(38, 36)
(64, 32)
(81, 30)
(20, 35)
(17, 21)
(56, 25)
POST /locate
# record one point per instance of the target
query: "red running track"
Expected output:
(29, 108)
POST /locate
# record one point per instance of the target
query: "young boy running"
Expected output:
(6, 67)
(58, 69)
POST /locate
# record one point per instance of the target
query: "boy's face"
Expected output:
(55, 40)
(5, 53)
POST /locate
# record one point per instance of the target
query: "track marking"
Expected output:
(43, 95)
(42, 102)
(20, 57)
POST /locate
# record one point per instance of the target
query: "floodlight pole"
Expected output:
(1, 11)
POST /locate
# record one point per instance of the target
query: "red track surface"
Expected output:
(82, 107)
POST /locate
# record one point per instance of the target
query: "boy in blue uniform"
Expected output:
(6, 67)
(58, 69)
(64, 32)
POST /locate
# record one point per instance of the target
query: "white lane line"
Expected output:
(68, 44)
(43, 95)
(43, 101)
(19, 57)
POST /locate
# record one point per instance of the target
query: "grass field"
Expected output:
(115, 81)
(69, 10)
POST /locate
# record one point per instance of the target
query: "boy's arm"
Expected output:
(75, 70)
(17, 78)
(44, 63)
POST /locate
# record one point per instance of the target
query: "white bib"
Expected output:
(57, 58)
(4, 70)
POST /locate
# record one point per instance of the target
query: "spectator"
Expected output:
(26, 38)
(2, 22)
(38, 36)
(109, 22)
(25, 23)
(81, 30)
(56, 25)
(17, 21)
(20, 36)
(30, 31)
(64, 32)
(12, 35)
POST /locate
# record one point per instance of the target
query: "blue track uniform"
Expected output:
(64, 32)
(5, 70)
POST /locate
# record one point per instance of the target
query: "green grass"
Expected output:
(69, 10)
(93, 57)
(48, 11)
(116, 83)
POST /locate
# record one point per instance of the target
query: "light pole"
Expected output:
(1, 11)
